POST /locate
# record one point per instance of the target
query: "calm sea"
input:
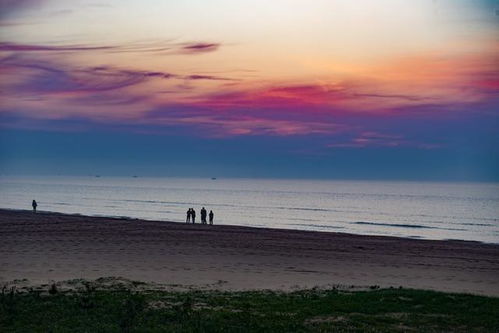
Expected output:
(467, 211)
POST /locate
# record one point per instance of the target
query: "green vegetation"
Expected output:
(115, 310)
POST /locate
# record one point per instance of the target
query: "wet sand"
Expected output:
(46, 247)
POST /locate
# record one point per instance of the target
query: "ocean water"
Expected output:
(427, 210)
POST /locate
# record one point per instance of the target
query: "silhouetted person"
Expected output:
(203, 215)
(193, 215)
(34, 205)
(211, 215)
(188, 219)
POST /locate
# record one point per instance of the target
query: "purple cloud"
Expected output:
(14, 47)
(47, 77)
(199, 48)
(207, 77)
(156, 47)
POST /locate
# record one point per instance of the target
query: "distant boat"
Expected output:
(213, 178)
(97, 176)
(134, 176)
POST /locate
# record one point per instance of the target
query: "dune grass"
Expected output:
(385, 310)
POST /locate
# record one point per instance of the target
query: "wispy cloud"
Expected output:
(194, 48)
(42, 75)
(394, 96)
(369, 138)
(207, 77)
(281, 96)
(15, 47)
(163, 47)
(238, 122)
(375, 139)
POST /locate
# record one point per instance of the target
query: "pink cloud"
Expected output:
(489, 84)
(281, 96)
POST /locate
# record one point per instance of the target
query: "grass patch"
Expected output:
(386, 310)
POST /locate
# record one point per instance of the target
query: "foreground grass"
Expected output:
(397, 310)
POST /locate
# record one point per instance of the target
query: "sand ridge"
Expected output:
(46, 247)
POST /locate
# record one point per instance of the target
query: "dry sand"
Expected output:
(47, 247)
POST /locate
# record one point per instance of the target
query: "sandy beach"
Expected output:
(46, 247)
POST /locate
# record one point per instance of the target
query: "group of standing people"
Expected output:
(191, 216)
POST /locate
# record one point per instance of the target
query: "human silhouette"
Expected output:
(34, 205)
(211, 215)
(193, 215)
(203, 215)
(188, 219)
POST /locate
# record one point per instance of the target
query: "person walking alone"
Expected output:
(34, 205)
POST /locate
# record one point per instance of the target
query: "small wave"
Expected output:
(412, 226)
(306, 220)
(487, 219)
(478, 224)
(454, 217)
(304, 208)
(416, 226)
(463, 240)
(316, 226)
(113, 216)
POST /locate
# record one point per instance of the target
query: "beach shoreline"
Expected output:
(45, 247)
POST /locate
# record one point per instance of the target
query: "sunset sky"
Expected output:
(386, 89)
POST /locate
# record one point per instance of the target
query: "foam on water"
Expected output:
(466, 211)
